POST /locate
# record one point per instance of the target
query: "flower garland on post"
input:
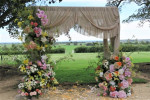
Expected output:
(38, 74)
(114, 76)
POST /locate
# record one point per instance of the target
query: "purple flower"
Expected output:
(122, 94)
(121, 77)
(125, 84)
(127, 58)
(44, 21)
(114, 94)
(111, 68)
(127, 73)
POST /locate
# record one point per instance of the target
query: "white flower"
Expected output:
(43, 49)
(43, 39)
(33, 83)
(112, 83)
(34, 65)
(121, 71)
(44, 57)
(106, 63)
(33, 69)
(21, 85)
(101, 74)
(28, 72)
(128, 94)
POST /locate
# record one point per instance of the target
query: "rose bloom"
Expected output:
(22, 94)
(120, 84)
(32, 23)
(118, 65)
(116, 58)
(104, 94)
(35, 24)
(32, 45)
(27, 29)
(112, 89)
(130, 81)
(114, 94)
(122, 94)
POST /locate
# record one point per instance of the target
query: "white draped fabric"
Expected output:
(102, 22)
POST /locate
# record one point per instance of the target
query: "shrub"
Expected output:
(88, 49)
(81, 49)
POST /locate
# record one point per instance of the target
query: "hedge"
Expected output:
(125, 48)
(12, 52)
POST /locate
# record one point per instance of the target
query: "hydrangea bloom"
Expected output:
(122, 94)
(125, 84)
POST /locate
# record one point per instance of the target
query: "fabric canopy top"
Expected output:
(103, 22)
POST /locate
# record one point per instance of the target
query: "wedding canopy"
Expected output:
(101, 22)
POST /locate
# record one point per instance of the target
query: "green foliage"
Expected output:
(84, 49)
(142, 14)
(129, 47)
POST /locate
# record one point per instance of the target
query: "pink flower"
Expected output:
(122, 94)
(39, 92)
(130, 81)
(44, 66)
(111, 68)
(28, 67)
(44, 21)
(39, 63)
(125, 84)
(30, 63)
(32, 45)
(49, 74)
(35, 24)
(121, 77)
(22, 94)
(31, 23)
(127, 73)
(33, 93)
(105, 88)
(100, 85)
(114, 94)
(104, 94)
(37, 31)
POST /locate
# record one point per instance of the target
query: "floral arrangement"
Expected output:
(114, 76)
(38, 70)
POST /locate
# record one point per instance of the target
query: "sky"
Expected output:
(128, 30)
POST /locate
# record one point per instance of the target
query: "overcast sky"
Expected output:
(128, 30)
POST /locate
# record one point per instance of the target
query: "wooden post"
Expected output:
(106, 49)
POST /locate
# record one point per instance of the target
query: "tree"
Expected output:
(10, 9)
(143, 14)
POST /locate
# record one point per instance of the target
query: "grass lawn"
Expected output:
(76, 70)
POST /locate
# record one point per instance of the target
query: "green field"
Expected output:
(76, 69)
